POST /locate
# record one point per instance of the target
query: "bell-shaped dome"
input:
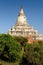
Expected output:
(21, 20)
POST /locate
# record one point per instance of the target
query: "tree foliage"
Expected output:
(10, 48)
(33, 54)
(16, 49)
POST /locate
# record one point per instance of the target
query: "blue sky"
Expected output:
(9, 10)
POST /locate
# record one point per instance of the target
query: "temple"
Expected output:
(22, 28)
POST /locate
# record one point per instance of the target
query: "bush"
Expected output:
(10, 48)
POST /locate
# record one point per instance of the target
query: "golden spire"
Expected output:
(21, 11)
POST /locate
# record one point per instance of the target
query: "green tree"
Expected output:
(21, 40)
(10, 48)
(41, 52)
(32, 55)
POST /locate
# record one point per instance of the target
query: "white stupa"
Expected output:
(22, 28)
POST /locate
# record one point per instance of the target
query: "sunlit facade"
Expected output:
(22, 28)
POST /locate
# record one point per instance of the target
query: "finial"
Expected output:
(21, 7)
(21, 11)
